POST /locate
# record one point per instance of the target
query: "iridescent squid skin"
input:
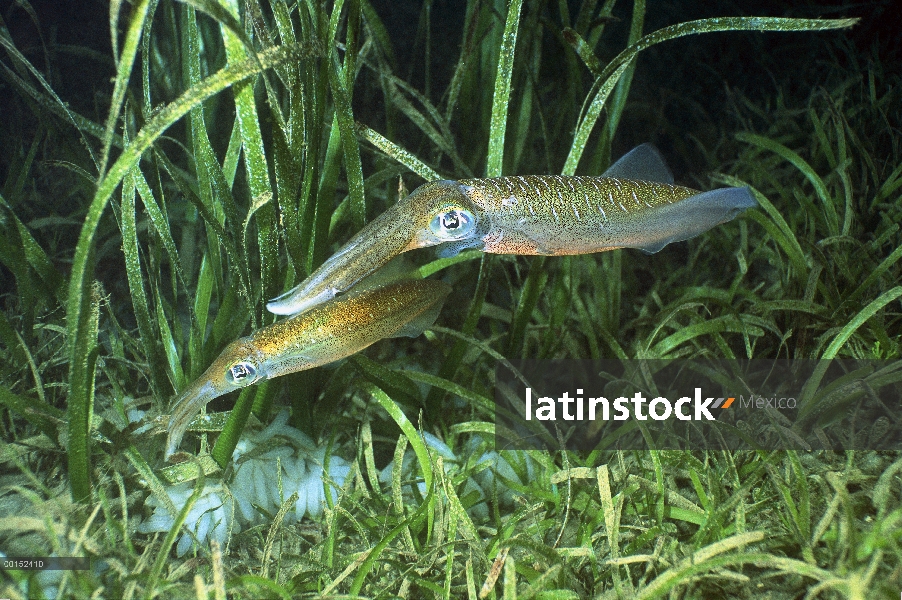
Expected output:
(326, 333)
(634, 204)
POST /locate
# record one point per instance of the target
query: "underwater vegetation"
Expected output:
(161, 183)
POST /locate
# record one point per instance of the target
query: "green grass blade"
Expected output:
(398, 153)
(583, 50)
(325, 197)
(693, 566)
(804, 494)
(378, 30)
(481, 402)
(233, 154)
(256, 584)
(892, 183)
(350, 147)
(776, 226)
(529, 297)
(442, 263)
(12, 342)
(410, 432)
(334, 20)
(82, 362)
(587, 327)
(528, 101)
(256, 167)
(501, 97)
(591, 116)
(234, 427)
(468, 45)
(151, 481)
(392, 381)
(618, 102)
(722, 324)
(232, 316)
(159, 222)
(860, 319)
(874, 275)
(439, 132)
(124, 64)
(34, 254)
(283, 23)
(224, 12)
(618, 66)
(12, 255)
(131, 251)
(373, 181)
(211, 182)
(288, 173)
(838, 342)
(176, 374)
(18, 173)
(41, 416)
(202, 295)
(146, 38)
(830, 215)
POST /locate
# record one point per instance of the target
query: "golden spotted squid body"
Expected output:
(326, 333)
(634, 204)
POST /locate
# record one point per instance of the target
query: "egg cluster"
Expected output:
(270, 466)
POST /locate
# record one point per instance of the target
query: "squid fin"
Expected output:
(697, 214)
(642, 163)
(423, 321)
(654, 248)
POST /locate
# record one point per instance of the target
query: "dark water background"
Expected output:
(760, 65)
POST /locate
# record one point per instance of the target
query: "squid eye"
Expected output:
(241, 374)
(453, 224)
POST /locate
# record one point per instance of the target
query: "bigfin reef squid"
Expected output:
(328, 332)
(634, 204)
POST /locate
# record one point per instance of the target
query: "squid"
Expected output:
(634, 204)
(328, 332)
